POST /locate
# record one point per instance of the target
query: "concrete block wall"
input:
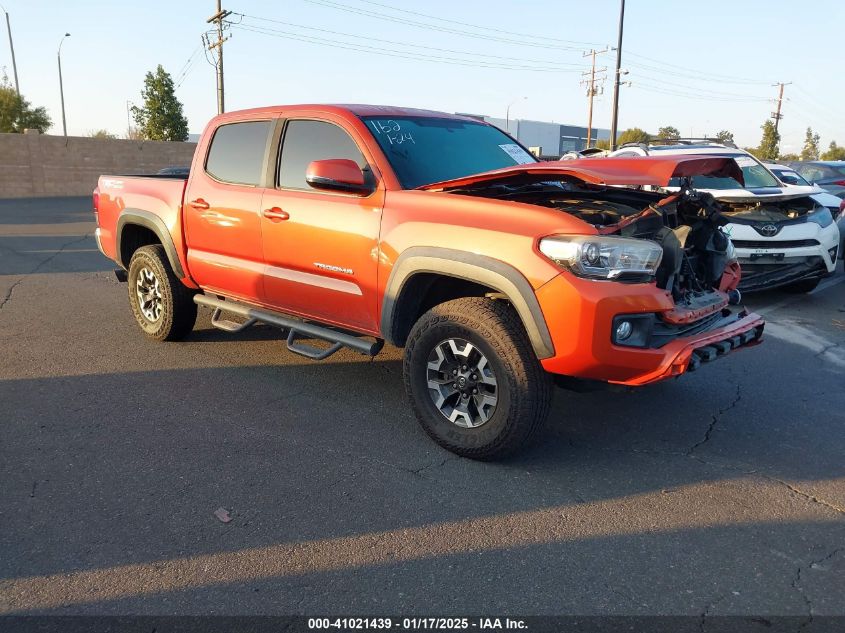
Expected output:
(38, 165)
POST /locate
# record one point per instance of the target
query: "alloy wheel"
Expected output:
(147, 289)
(462, 383)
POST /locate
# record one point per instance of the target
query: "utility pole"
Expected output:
(591, 89)
(616, 77)
(777, 116)
(218, 18)
(12, 47)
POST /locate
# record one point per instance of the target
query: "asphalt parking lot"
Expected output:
(719, 493)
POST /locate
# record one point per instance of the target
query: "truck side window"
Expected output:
(305, 141)
(237, 152)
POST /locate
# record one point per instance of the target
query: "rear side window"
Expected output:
(305, 141)
(237, 152)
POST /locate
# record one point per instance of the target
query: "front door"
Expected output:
(320, 248)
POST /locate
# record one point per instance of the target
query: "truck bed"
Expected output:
(154, 195)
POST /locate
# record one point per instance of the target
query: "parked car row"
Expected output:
(786, 230)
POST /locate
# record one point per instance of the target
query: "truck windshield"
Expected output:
(424, 150)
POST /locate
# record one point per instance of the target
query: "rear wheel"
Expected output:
(474, 382)
(162, 305)
(805, 285)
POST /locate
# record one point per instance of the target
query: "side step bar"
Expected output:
(297, 329)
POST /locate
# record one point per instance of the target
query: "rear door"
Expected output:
(222, 205)
(322, 258)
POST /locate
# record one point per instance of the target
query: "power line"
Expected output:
(700, 96)
(683, 86)
(545, 62)
(699, 73)
(387, 52)
(475, 26)
(434, 27)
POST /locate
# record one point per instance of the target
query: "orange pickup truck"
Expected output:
(348, 226)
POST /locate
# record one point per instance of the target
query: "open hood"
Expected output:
(620, 171)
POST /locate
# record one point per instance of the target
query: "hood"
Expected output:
(618, 171)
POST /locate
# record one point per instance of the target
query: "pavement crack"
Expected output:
(805, 495)
(715, 421)
(707, 610)
(41, 264)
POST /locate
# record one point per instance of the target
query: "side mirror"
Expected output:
(337, 174)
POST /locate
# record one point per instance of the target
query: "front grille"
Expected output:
(662, 332)
(774, 243)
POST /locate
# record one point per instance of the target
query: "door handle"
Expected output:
(199, 203)
(275, 214)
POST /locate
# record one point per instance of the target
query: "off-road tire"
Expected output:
(524, 388)
(805, 285)
(178, 310)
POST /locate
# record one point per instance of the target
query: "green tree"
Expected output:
(668, 132)
(790, 157)
(161, 118)
(769, 148)
(810, 151)
(101, 134)
(725, 137)
(834, 152)
(633, 135)
(17, 115)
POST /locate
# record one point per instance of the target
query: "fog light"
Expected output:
(832, 253)
(623, 330)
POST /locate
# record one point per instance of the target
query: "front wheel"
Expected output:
(162, 305)
(473, 379)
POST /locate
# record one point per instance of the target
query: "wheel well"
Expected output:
(133, 237)
(422, 292)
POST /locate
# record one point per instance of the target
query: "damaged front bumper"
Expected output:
(761, 275)
(582, 317)
(688, 354)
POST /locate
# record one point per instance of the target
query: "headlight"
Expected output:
(603, 257)
(821, 216)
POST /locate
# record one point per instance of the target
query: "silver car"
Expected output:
(827, 174)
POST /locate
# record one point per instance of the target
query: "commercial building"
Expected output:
(553, 139)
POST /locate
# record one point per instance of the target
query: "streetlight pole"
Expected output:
(61, 87)
(12, 47)
(129, 105)
(616, 79)
(508, 114)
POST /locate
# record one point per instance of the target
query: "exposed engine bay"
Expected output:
(768, 210)
(686, 224)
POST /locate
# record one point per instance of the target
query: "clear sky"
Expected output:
(700, 66)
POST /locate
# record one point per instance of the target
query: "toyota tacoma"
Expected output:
(348, 226)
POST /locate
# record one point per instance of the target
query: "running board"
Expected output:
(297, 329)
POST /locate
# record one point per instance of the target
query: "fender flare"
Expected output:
(481, 269)
(155, 224)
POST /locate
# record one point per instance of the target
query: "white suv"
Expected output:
(782, 236)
